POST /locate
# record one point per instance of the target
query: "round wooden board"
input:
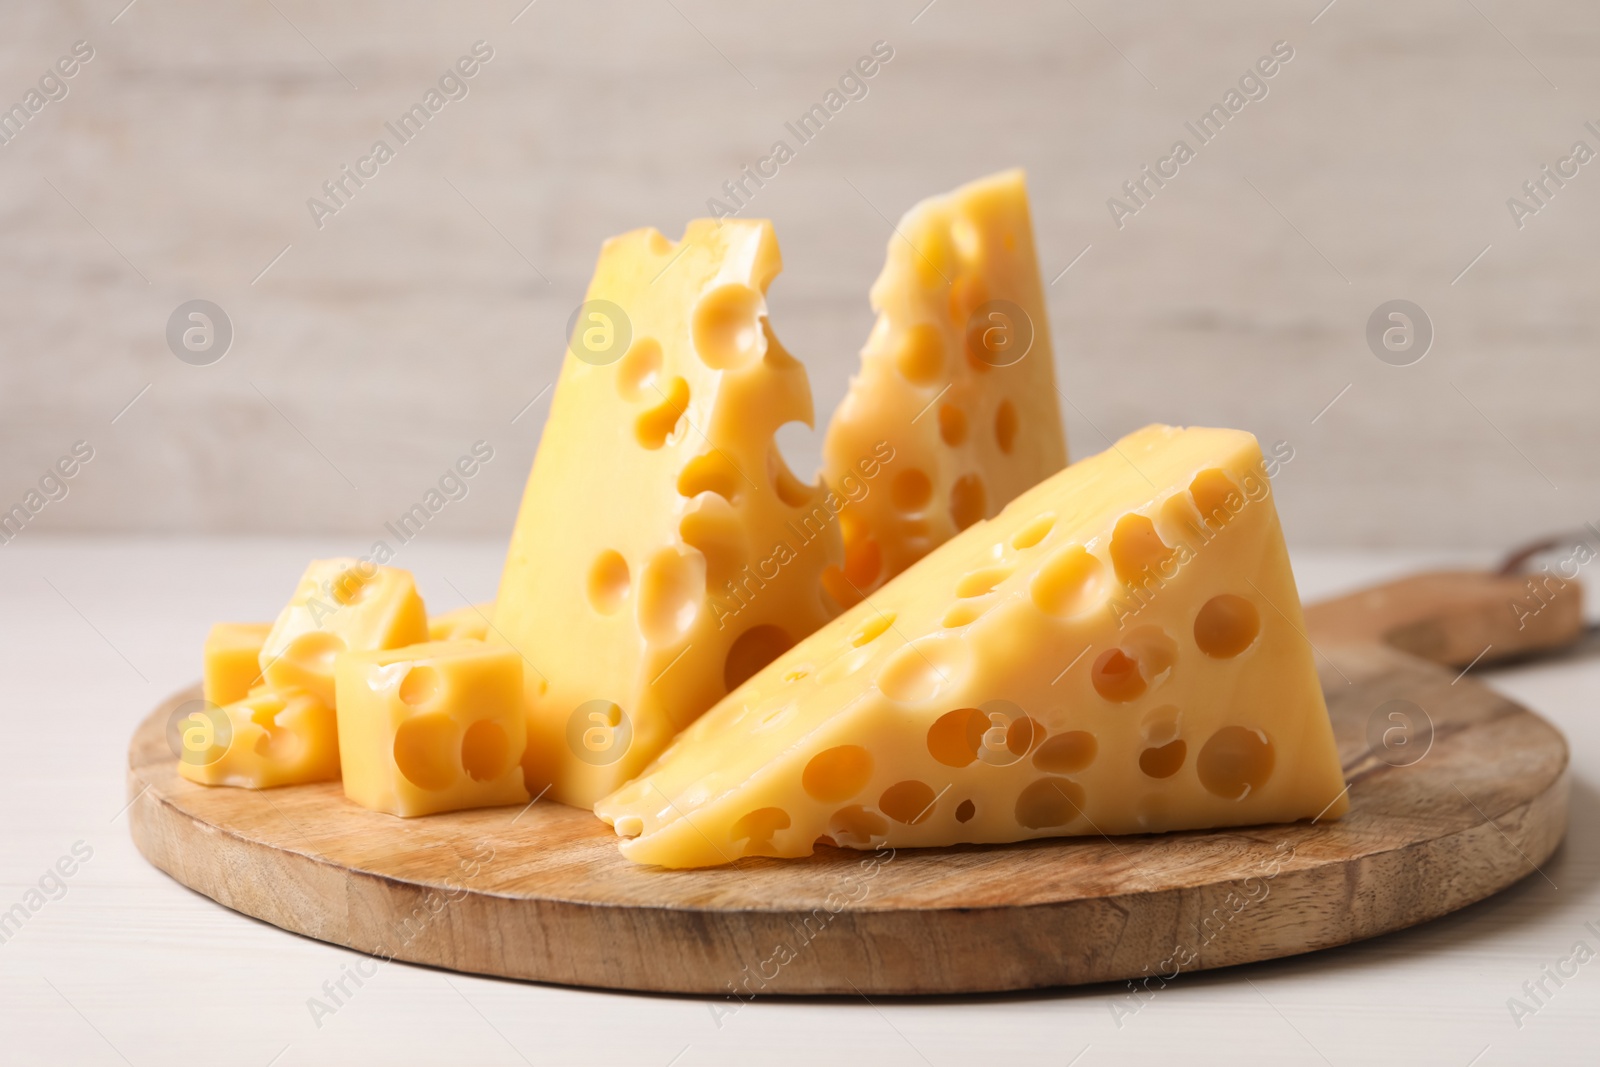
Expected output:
(543, 894)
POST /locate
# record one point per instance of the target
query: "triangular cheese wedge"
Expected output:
(1120, 651)
(957, 376)
(664, 552)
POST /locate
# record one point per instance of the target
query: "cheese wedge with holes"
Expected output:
(463, 624)
(264, 740)
(664, 552)
(432, 727)
(1119, 651)
(340, 605)
(232, 655)
(957, 374)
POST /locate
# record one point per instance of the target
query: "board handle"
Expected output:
(1456, 618)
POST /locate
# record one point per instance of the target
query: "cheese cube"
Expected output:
(463, 624)
(267, 739)
(233, 660)
(664, 551)
(1121, 650)
(340, 605)
(958, 377)
(433, 727)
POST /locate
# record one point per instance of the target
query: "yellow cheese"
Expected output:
(957, 375)
(433, 727)
(664, 552)
(233, 660)
(463, 624)
(340, 605)
(264, 740)
(1120, 651)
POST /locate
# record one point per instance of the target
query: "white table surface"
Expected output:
(130, 967)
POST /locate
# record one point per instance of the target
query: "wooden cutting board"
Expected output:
(1456, 793)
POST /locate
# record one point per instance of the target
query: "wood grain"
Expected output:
(1456, 617)
(543, 894)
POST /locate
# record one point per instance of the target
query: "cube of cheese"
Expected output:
(957, 376)
(664, 551)
(340, 605)
(1121, 650)
(233, 660)
(434, 727)
(463, 624)
(267, 739)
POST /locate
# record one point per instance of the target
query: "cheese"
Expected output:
(957, 374)
(340, 605)
(232, 656)
(432, 727)
(1120, 651)
(664, 552)
(264, 740)
(463, 624)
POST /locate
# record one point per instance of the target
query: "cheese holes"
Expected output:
(756, 829)
(790, 489)
(421, 685)
(716, 533)
(968, 501)
(920, 358)
(980, 582)
(424, 751)
(837, 773)
(965, 811)
(1066, 753)
(967, 611)
(638, 369)
(652, 428)
(1116, 677)
(1033, 532)
(952, 425)
(956, 736)
(753, 650)
(856, 827)
(920, 671)
(1226, 626)
(712, 472)
(1137, 551)
(1235, 762)
(1216, 496)
(727, 328)
(1163, 761)
(1069, 583)
(911, 490)
(1005, 426)
(1154, 651)
(1049, 803)
(872, 629)
(485, 751)
(314, 651)
(608, 582)
(908, 802)
(671, 588)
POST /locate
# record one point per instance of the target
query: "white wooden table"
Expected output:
(126, 966)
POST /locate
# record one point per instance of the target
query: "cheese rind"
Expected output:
(463, 624)
(958, 375)
(663, 551)
(232, 655)
(1121, 650)
(340, 605)
(432, 727)
(266, 739)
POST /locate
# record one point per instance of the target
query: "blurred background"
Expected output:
(374, 344)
